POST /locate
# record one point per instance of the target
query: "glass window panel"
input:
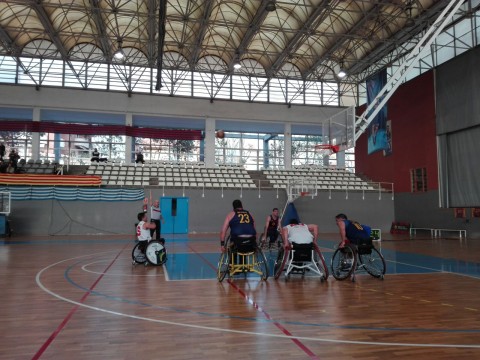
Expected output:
(278, 90)
(202, 85)
(8, 69)
(240, 87)
(52, 72)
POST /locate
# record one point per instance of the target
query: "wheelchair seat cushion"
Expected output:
(245, 244)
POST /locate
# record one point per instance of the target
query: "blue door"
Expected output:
(175, 214)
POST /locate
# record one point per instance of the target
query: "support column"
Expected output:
(35, 136)
(287, 143)
(209, 142)
(341, 159)
(129, 143)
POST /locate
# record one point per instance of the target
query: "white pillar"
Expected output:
(36, 136)
(341, 159)
(128, 139)
(287, 143)
(209, 154)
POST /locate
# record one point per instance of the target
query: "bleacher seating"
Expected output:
(172, 174)
(36, 166)
(320, 178)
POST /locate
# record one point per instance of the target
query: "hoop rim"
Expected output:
(332, 148)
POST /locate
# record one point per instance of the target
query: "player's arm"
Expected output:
(149, 225)
(313, 228)
(343, 234)
(225, 226)
(286, 242)
(266, 226)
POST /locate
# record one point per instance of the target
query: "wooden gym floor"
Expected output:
(80, 298)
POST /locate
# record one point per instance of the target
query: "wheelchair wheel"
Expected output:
(156, 253)
(223, 265)
(374, 263)
(138, 256)
(344, 262)
(320, 262)
(262, 263)
(280, 262)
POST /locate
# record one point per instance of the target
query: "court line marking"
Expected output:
(136, 317)
(84, 268)
(64, 322)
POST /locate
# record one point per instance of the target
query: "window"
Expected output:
(418, 179)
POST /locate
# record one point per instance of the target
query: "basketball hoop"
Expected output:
(326, 149)
(304, 193)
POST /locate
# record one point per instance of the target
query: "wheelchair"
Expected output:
(350, 259)
(265, 244)
(242, 259)
(300, 259)
(153, 253)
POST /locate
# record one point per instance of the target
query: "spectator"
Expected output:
(139, 158)
(2, 151)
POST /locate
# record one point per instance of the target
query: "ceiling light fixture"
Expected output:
(236, 62)
(271, 6)
(119, 54)
(342, 72)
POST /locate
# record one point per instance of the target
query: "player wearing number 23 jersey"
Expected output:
(241, 224)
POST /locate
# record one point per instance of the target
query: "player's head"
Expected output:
(341, 217)
(294, 221)
(156, 203)
(275, 210)
(141, 216)
(237, 204)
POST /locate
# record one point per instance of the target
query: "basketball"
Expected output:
(220, 134)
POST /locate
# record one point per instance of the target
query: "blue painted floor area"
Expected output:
(203, 266)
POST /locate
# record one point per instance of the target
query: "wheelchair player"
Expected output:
(305, 254)
(240, 255)
(242, 229)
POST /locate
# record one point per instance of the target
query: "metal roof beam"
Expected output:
(399, 38)
(342, 37)
(102, 31)
(318, 15)
(14, 51)
(258, 19)
(52, 33)
(207, 12)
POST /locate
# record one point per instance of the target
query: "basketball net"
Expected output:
(326, 149)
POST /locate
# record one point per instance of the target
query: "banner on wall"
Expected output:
(388, 131)
(377, 130)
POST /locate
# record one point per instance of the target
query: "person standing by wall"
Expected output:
(156, 217)
(2, 151)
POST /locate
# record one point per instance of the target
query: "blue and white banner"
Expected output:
(73, 193)
(377, 130)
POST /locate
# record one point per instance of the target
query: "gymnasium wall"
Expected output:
(412, 113)
(206, 214)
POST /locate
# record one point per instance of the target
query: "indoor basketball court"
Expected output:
(82, 298)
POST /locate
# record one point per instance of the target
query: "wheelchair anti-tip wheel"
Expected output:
(344, 262)
(156, 253)
(138, 256)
